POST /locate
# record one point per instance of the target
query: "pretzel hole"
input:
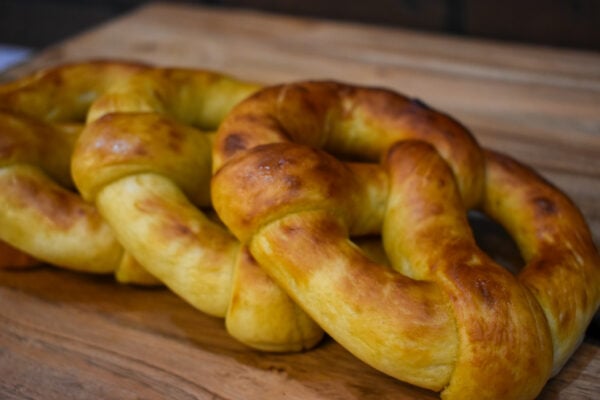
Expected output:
(372, 247)
(490, 236)
(495, 241)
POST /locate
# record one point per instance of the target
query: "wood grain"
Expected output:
(70, 336)
(111, 341)
(67, 336)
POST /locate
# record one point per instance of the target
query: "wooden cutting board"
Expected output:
(65, 335)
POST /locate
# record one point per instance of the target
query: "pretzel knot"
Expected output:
(444, 316)
(144, 159)
(41, 214)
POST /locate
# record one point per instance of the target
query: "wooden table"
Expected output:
(65, 335)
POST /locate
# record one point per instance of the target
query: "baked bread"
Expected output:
(445, 316)
(144, 159)
(121, 156)
(41, 116)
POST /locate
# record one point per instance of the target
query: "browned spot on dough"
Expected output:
(506, 163)
(233, 143)
(485, 291)
(54, 77)
(180, 229)
(176, 137)
(292, 182)
(61, 207)
(7, 147)
(565, 319)
(544, 205)
(543, 265)
(382, 104)
(419, 103)
(139, 150)
(290, 231)
(172, 226)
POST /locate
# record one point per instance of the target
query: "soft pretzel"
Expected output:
(446, 317)
(41, 116)
(144, 159)
(38, 214)
(64, 94)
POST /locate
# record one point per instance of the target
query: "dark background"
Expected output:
(563, 23)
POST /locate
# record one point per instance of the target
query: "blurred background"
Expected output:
(34, 24)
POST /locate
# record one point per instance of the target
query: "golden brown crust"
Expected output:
(563, 265)
(41, 116)
(300, 171)
(350, 121)
(144, 159)
(263, 315)
(449, 318)
(36, 192)
(503, 338)
(64, 93)
(122, 144)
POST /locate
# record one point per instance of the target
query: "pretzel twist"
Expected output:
(41, 116)
(144, 159)
(448, 318)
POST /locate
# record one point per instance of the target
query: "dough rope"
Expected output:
(144, 159)
(42, 215)
(445, 316)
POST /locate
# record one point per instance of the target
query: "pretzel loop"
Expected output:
(41, 117)
(562, 262)
(144, 159)
(448, 318)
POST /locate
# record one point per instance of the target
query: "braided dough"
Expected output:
(446, 317)
(144, 159)
(303, 173)
(143, 123)
(40, 118)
